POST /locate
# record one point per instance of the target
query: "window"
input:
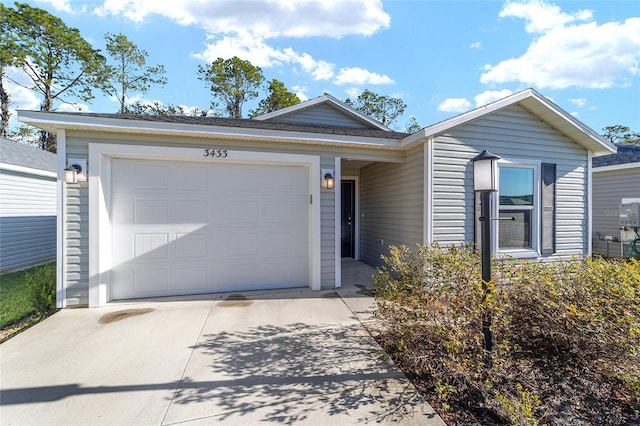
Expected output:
(526, 191)
(518, 198)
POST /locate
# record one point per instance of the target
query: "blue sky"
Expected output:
(441, 57)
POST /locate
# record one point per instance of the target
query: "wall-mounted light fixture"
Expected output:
(76, 170)
(328, 181)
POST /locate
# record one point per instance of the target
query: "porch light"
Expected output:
(71, 173)
(328, 180)
(485, 172)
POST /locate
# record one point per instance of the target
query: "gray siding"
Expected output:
(322, 115)
(609, 188)
(391, 206)
(77, 233)
(510, 133)
(27, 220)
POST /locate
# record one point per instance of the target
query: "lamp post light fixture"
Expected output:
(485, 181)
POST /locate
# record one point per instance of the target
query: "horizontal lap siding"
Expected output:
(609, 188)
(391, 206)
(77, 232)
(509, 133)
(321, 115)
(327, 229)
(27, 220)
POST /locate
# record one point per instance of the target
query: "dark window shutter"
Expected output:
(548, 216)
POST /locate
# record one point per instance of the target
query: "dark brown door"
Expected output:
(348, 217)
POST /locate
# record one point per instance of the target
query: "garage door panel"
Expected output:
(233, 227)
(190, 279)
(151, 211)
(191, 245)
(151, 281)
(151, 246)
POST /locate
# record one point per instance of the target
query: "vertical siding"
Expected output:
(609, 188)
(391, 205)
(77, 234)
(322, 115)
(510, 133)
(27, 220)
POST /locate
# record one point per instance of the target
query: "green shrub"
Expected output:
(41, 288)
(550, 321)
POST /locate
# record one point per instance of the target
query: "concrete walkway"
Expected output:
(286, 356)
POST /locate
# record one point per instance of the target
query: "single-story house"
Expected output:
(183, 205)
(28, 206)
(616, 181)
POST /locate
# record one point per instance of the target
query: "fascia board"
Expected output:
(53, 123)
(538, 105)
(615, 167)
(27, 170)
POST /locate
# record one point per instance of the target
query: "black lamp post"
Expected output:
(485, 181)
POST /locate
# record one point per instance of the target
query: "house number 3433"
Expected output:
(215, 153)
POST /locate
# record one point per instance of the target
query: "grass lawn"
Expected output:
(14, 303)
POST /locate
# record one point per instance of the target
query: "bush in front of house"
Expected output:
(566, 335)
(40, 284)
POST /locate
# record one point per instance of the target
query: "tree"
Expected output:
(619, 134)
(382, 108)
(412, 125)
(233, 81)
(130, 72)
(60, 63)
(8, 55)
(279, 97)
(157, 108)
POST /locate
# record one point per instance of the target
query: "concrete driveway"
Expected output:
(286, 356)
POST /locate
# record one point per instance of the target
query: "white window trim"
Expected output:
(534, 251)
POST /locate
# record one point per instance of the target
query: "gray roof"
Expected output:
(20, 154)
(625, 154)
(250, 124)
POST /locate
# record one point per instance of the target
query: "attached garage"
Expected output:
(168, 221)
(193, 227)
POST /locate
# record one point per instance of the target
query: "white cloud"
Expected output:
(290, 18)
(253, 48)
(540, 16)
(353, 92)
(489, 96)
(568, 54)
(476, 45)
(75, 107)
(301, 92)
(360, 76)
(63, 5)
(455, 105)
(579, 102)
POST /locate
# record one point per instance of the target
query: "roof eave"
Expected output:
(539, 106)
(53, 122)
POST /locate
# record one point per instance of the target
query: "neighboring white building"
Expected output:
(27, 206)
(616, 177)
(184, 205)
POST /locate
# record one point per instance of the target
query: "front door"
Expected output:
(348, 217)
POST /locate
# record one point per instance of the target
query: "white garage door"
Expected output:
(185, 228)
